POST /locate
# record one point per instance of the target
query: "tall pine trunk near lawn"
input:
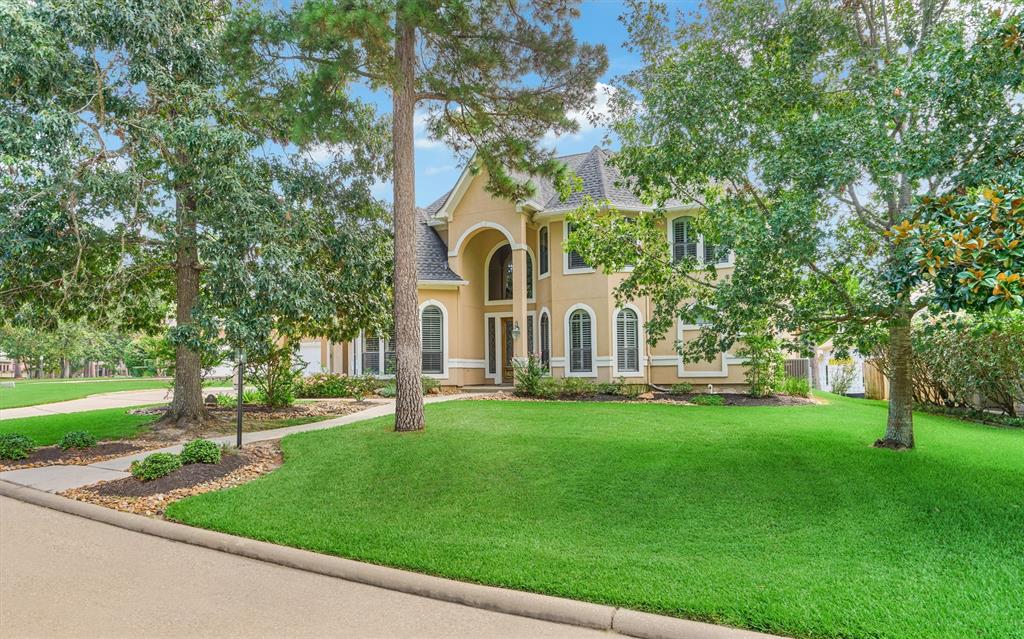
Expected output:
(186, 408)
(899, 431)
(408, 387)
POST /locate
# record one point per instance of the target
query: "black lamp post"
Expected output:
(240, 358)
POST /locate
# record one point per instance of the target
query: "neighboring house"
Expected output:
(495, 285)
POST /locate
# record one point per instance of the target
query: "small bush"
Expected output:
(606, 388)
(842, 379)
(577, 387)
(682, 388)
(227, 401)
(155, 466)
(549, 388)
(708, 400)
(15, 446)
(77, 439)
(796, 386)
(200, 451)
(630, 391)
(529, 377)
(387, 391)
(429, 384)
(322, 386)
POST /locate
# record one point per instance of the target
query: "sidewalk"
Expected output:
(57, 478)
(119, 399)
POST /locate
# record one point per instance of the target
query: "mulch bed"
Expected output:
(728, 399)
(318, 408)
(53, 455)
(152, 497)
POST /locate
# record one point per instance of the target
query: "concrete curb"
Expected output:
(524, 604)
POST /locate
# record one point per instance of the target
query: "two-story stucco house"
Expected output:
(495, 284)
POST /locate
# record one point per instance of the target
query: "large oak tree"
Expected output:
(815, 135)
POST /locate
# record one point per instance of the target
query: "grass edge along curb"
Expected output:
(524, 604)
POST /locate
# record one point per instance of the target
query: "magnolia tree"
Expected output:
(849, 153)
(493, 77)
(132, 181)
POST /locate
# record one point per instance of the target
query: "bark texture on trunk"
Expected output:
(899, 431)
(186, 409)
(408, 387)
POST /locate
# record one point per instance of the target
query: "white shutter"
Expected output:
(683, 245)
(431, 330)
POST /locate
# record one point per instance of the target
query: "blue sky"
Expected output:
(437, 169)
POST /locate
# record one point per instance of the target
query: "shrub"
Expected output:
(630, 391)
(429, 384)
(796, 386)
(549, 388)
(15, 446)
(270, 368)
(200, 451)
(708, 400)
(322, 385)
(360, 386)
(682, 388)
(227, 401)
(387, 391)
(252, 396)
(842, 379)
(529, 377)
(577, 387)
(606, 388)
(77, 439)
(155, 466)
(766, 367)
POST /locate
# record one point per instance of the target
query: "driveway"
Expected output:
(65, 576)
(119, 399)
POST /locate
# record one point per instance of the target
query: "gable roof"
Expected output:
(601, 181)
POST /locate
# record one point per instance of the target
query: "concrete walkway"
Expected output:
(64, 477)
(135, 585)
(119, 399)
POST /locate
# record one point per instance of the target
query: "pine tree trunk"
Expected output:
(408, 387)
(186, 409)
(899, 431)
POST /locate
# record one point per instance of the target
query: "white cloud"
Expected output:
(325, 153)
(598, 110)
(419, 123)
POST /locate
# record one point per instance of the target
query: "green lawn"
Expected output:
(45, 391)
(778, 519)
(109, 423)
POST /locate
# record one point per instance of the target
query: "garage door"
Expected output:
(310, 353)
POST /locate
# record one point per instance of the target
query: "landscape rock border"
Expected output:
(525, 604)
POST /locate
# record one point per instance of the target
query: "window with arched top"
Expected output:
(432, 335)
(627, 341)
(543, 247)
(581, 343)
(545, 339)
(499, 275)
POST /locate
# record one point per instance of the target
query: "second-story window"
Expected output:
(543, 246)
(575, 260)
(684, 240)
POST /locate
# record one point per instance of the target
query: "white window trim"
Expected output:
(544, 276)
(444, 337)
(487, 277)
(360, 349)
(681, 372)
(731, 261)
(496, 375)
(594, 364)
(565, 254)
(641, 356)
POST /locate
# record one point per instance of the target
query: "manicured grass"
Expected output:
(779, 519)
(109, 423)
(45, 391)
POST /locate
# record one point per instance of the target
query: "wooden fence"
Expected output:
(876, 384)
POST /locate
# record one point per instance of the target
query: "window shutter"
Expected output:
(529, 336)
(627, 341)
(371, 354)
(581, 357)
(543, 250)
(682, 244)
(432, 332)
(575, 260)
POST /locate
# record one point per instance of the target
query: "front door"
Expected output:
(506, 350)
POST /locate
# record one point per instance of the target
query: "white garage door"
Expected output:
(310, 353)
